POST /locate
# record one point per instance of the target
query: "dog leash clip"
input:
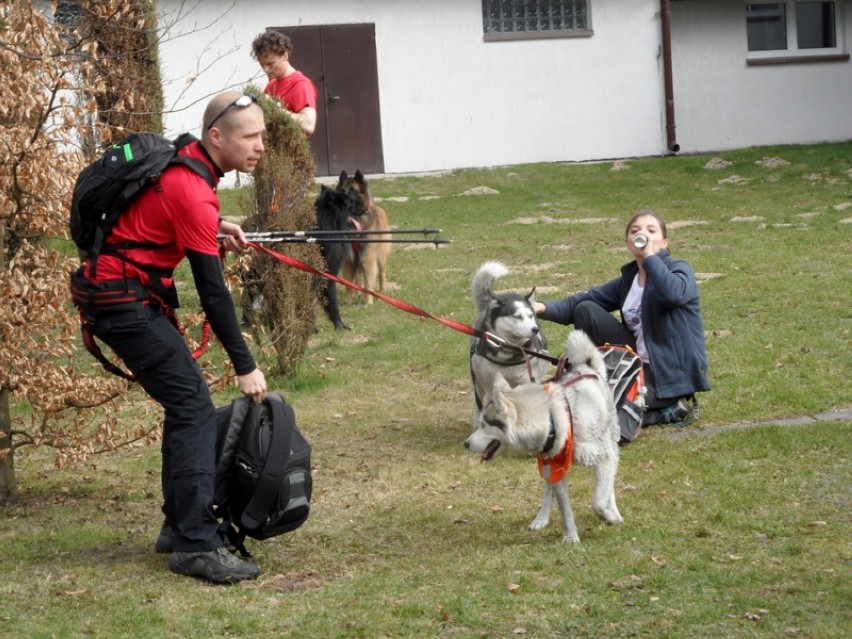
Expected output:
(494, 340)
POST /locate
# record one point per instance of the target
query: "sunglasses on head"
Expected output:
(241, 103)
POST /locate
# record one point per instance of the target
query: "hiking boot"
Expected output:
(218, 566)
(682, 413)
(165, 540)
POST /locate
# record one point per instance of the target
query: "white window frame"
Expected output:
(792, 53)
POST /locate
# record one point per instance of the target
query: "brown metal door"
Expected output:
(341, 60)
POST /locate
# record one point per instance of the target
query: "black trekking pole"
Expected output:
(326, 237)
(340, 233)
(347, 240)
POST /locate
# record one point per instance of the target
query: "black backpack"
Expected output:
(263, 471)
(107, 186)
(626, 378)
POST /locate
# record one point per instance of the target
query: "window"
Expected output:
(793, 28)
(520, 19)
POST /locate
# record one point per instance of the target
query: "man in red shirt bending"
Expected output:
(177, 217)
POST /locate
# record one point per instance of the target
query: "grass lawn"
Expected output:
(737, 533)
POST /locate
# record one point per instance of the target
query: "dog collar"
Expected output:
(484, 349)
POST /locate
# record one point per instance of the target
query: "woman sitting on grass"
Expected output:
(657, 297)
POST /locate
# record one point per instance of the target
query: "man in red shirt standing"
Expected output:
(177, 217)
(295, 91)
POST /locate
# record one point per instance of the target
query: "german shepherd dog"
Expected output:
(569, 419)
(366, 263)
(510, 317)
(336, 210)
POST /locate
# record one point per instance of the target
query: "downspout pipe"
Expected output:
(666, 29)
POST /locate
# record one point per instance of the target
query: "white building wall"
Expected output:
(722, 103)
(447, 98)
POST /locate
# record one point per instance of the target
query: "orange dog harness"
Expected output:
(553, 469)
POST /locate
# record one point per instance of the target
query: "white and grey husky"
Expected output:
(510, 317)
(573, 417)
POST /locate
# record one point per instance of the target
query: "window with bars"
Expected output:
(515, 19)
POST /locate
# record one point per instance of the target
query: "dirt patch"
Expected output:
(546, 219)
(421, 247)
(734, 179)
(480, 190)
(750, 218)
(677, 224)
(772, 163)
(537, 268)
(704, 277)
(717, 164)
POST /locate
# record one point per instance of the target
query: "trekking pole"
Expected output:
(326, 237)
(265, 239)
(273, 235)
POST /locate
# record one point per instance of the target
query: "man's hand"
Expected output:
(235, 238)
(253, 385)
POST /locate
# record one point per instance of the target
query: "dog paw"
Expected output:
(610, 516)
(571, 539)
(538, 524)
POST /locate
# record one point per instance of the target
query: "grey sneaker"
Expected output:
(682, 413)
(165, 540)
(218, 566)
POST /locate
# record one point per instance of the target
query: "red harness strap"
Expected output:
(124, 295)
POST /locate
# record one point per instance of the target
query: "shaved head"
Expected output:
(216, 109)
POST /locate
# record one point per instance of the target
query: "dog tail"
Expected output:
(483, 282)
(581, 351)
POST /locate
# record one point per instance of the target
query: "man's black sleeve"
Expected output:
(219, 308)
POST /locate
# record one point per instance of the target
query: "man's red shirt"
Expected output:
(296, 91)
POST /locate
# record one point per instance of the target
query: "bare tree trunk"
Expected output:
(7, 460)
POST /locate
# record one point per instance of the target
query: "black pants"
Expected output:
(603, 328)
(153, 350)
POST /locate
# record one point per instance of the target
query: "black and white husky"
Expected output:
(510, 317)
(572, 419)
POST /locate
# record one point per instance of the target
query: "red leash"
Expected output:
(404, 306)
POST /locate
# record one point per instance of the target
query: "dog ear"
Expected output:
(500, 387)
(359, 177)
(531, 296)
(493, 300)
(498, 393)
(341, 180)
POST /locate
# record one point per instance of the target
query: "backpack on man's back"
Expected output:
(105, 188)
